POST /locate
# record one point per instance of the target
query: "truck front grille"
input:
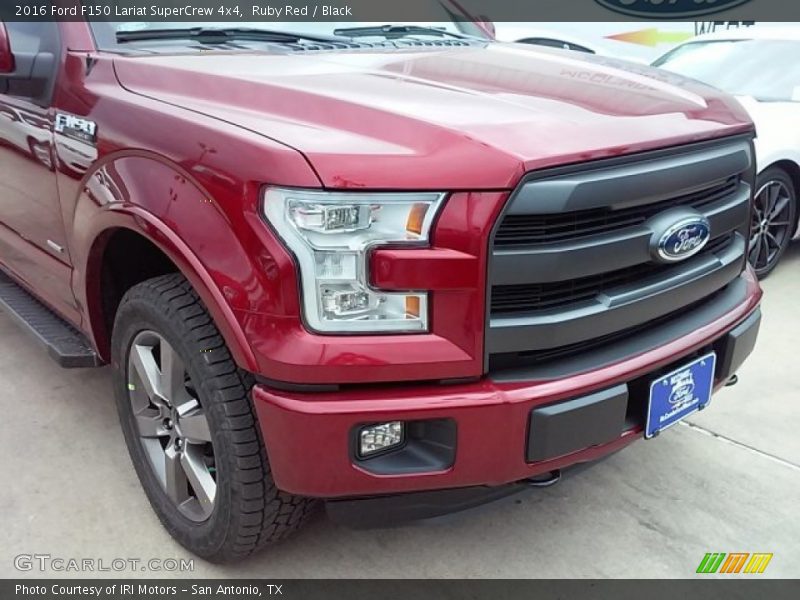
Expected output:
(529, 298)
(571, 260)
(530, 230)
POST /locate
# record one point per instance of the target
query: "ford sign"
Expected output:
(670, 9)
(683, 239)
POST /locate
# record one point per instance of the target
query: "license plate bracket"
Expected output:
(680, 393)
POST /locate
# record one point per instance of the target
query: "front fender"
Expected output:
(166, 205)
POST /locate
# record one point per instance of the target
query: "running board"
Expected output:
(67, 346)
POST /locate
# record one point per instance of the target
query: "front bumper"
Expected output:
(482, 430)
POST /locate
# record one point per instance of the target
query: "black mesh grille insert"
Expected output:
(535, 357)
(530, 298)
(532, 230)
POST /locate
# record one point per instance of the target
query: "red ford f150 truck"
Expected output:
(400, 269)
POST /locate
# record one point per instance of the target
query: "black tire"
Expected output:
(248, 512)
(766, 249)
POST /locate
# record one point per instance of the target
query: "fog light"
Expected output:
(380, 437)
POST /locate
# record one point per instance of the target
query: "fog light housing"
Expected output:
(380, 437)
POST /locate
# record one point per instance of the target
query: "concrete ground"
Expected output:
(728, 481)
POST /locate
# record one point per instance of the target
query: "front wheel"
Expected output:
(773, 220)
(190, 428)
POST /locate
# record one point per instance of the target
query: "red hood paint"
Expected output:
(462, 118)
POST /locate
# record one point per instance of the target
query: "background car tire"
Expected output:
(774, 219)
(247, 511)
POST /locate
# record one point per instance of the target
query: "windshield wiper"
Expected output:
(395, 31)
(219, 36)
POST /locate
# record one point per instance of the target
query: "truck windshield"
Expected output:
(453, 23)
(767, 70)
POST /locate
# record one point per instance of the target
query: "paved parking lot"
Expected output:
(729, 481)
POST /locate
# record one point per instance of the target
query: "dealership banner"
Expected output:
(398, 10)
(218, 589)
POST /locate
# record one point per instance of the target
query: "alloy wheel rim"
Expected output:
(172, 425)
(770, 225)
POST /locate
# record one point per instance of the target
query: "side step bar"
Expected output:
(67, 346)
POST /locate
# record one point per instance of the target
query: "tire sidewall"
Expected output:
(133, 318)
(778, 174)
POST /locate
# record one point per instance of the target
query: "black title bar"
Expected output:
(734, 588)
(380, 11)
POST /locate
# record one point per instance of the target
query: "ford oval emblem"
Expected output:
(683, 239)
(670, 9)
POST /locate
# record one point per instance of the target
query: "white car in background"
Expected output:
(640, 42)
(762, 68)
(523, 34)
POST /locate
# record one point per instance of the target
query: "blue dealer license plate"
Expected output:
(677, 395)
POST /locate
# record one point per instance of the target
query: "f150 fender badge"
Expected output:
(76, 127)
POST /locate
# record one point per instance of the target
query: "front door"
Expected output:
(33, 244)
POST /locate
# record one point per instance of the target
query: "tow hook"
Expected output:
(544, 480)
(732, 381)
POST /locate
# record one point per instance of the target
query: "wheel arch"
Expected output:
(101, 305)
(153, 205)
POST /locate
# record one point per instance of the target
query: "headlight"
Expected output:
(331, 234)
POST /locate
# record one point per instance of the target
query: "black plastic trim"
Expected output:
(386, 510)
(618, 309)
(64, 344)
(606, 252)
(380, 511)
(429, 446)
(610, 353)
(645, 180)
(740, 344)
(284, 386)
(565, 427)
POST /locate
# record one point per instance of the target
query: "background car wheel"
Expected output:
(190, 428)
(773, 221)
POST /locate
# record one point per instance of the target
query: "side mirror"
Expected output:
(7, 62)
(487, 25)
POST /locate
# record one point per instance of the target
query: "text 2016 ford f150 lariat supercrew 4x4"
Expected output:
(399, 269)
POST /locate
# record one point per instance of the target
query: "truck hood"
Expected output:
(452, 118)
